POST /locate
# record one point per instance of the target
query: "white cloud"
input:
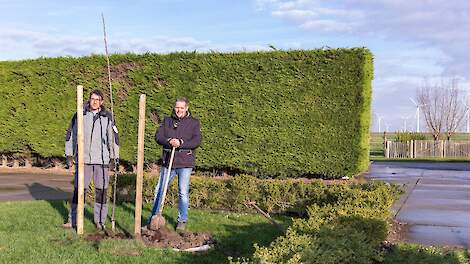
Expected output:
(411, 40)
(52, 45)
(437, 23)
(326, 25)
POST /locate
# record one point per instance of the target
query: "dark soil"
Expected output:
(166, 238)
(398, 231)
(98, 236)
(162, 238)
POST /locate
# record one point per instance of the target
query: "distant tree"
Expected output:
(443, 106)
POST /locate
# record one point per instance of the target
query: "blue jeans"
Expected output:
(184, 175)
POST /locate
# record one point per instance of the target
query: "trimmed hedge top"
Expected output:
(280, 113)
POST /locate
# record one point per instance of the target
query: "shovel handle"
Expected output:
(166, 180)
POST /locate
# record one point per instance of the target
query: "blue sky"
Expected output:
(411, 40)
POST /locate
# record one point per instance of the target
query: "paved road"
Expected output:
(437, 199)
(32, 186)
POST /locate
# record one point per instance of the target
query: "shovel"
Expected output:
(158, 221)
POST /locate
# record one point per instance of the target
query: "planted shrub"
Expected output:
(274, 196)
(348, 230)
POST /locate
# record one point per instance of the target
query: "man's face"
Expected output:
(95, 102)
(181, 109)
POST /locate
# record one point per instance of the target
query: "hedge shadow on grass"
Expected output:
(42, 192)
(237, 243)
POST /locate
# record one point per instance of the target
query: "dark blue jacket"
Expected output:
(188, 131)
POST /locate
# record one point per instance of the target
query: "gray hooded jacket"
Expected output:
(100, 137)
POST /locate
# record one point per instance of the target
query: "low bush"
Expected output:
(408, 136)
(347, 227)
(231, 193)
(290, 196)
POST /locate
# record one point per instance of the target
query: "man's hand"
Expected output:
(69, 161)
(113, 163)
(174, 142)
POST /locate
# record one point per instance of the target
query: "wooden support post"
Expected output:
(442, 149)
(140, 168)
(411, 149)
(81, 166)
(387, 149)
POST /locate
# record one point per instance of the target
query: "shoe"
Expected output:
(100, 227)
(181, 227)
(145, 229)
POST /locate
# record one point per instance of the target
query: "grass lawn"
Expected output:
(420, 159)
(376, 152)
(30, 232)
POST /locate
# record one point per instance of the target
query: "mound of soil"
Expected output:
(100, 235)
(166, 238)
(161, 238)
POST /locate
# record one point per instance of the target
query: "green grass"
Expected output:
(416, 254)
(377, 151)
(376, 145)
(430, 159)
(30, 232)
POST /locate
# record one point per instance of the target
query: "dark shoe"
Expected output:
(181, 227)
(100, 227)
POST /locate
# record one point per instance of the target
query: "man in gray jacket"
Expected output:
(101, 146)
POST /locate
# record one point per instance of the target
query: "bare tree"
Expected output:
(456, 106)
(443, 107)
(430, 101)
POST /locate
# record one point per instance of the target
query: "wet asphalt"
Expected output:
(436, 203)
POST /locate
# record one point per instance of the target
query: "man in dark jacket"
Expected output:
(183, 132)
(101, 147)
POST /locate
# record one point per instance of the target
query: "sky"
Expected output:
(412, 41)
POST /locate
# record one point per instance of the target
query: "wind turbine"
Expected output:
(405, 118)
(468, 117)
(387, 125)
(379, 119)
(468, 121)
(417, 114)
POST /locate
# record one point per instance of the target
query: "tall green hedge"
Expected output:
(280, 113)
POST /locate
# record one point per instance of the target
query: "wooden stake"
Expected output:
(81, 187)
(140, 167)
